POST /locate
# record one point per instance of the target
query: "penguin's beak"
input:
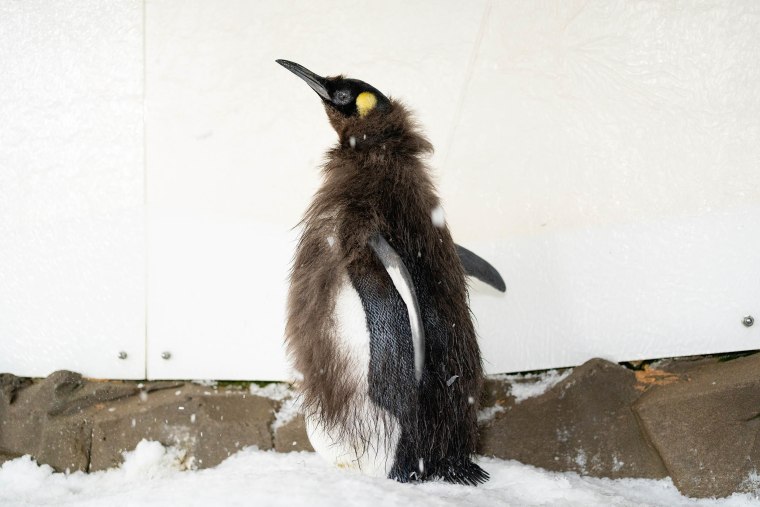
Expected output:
(316, 82)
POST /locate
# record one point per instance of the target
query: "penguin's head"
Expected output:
(344, 98)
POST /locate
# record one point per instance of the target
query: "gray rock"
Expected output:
(73, 423)
(56, 390)
(682, 365)
(291, 436)
(7, 456)
(65, 445)
(22, 422)
(89, 395)
(495, 392)
(701, 415)
(206, 428)
(583, 424)
(150, 387)
(66, 393)
(10, 385)
(706, 426)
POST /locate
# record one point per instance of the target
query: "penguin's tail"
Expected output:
(463, 472)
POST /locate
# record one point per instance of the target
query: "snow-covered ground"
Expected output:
(151, 476)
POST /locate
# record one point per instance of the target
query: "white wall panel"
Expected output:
(607, 161)
(72, 264)
(234, 142)
(672, 287)
(603, 155)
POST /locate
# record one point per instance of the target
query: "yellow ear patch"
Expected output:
(365, 102)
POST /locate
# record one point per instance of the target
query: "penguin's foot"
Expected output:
(464, 472)
(408, 473)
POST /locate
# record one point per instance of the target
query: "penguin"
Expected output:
(378, 319)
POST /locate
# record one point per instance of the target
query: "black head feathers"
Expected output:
(367, 122)
(349, 97)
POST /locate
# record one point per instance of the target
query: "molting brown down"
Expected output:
(375, 183)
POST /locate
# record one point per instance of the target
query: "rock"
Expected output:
(72, 423)
(150, 387)
(235, 423)
(7, 456)
(495, 392)
(706, 426)
(65, 393)
(22, 422)
(56, 389)
(208, 428)
(65, 445)
(583, 424)
(10, 385)
(89, 395)
(291, 436)
(702, 415)
(682, 365)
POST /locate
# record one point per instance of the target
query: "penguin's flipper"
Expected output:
(405, 287)
(479, 268)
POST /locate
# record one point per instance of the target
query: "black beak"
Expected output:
(316, 82)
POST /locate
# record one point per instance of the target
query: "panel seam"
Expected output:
(468, 78)
(146, 236)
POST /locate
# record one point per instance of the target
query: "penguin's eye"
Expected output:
(342, 97)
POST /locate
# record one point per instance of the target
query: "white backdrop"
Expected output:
(154, 159)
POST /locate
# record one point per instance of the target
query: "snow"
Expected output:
(488, 413)
(289, 403)
(277, 391)
(524, 386)
(153, 476)
(288, 411)
(437, 216)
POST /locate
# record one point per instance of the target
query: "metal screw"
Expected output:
(748, 321)
(166, 355)
(122, 355)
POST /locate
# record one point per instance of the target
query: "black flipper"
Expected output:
(479, 268)
(392, 376)
(402, 280)
(427, 447)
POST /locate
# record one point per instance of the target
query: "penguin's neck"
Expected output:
(389, 132)
(378, 183)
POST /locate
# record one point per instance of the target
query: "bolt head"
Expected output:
(166, 355)
(122, 355)
(748, 321)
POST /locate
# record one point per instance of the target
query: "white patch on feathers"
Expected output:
(376, 430)
(351, 328)
(373, 455)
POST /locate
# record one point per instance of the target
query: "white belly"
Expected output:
(372, 454)
(368, 440)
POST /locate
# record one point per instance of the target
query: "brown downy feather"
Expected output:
(375, 182)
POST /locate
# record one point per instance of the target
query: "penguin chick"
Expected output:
(378, 318)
